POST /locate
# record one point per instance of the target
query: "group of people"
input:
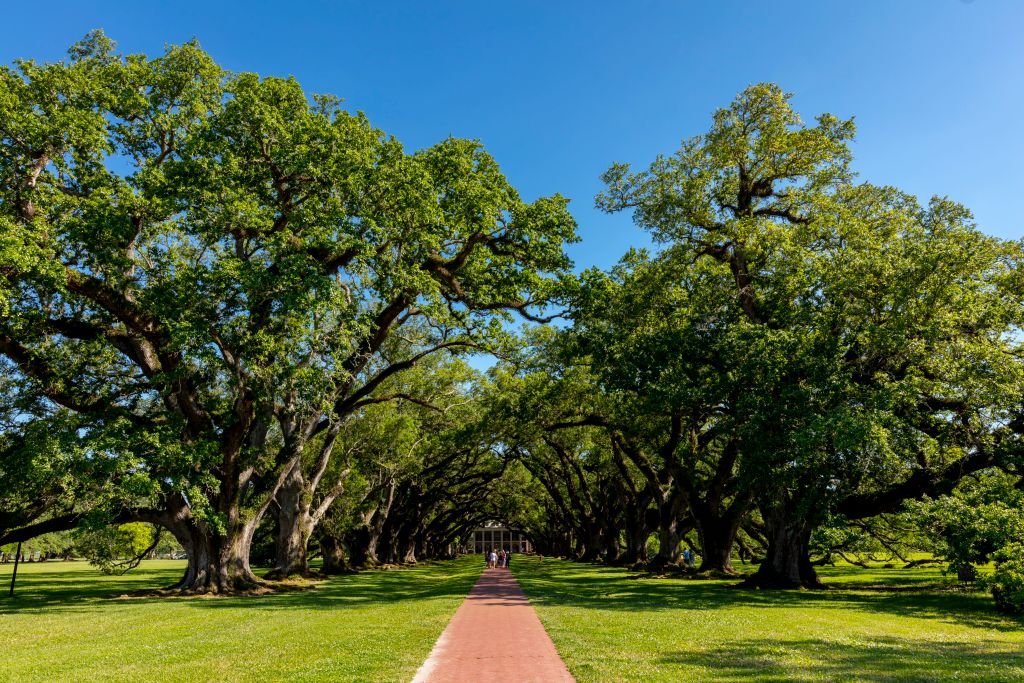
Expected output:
(498, 558)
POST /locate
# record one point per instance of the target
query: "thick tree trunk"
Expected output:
(717, 537)
(375, 550)
(297, 515)
(357, 541)
(333, 551)
(612, 549)
(387, 548)
(716, 550)
(636, 546)
(787, 563)
(404, 545)
(592, 543)
(668, 547)
(217, 563)
(409, 554)
(670, 532)
(294, 526)
(636, 534)
(370, 554)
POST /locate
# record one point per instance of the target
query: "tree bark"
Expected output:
(217, 563)
(671, 512)
(636, 545)
(717, 531)
(592, 543)
(408, 554)
(716, 542)
(294, 527)
(356, 541)
(333, 551)
(787, 563)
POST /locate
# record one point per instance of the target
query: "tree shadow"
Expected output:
(569, 584)
(55, 589)
(879, 659)
(65, 586)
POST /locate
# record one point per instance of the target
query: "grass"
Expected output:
(66, 623)
(872, 625)
(69, 623)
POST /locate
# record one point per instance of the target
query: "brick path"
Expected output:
(494, 635)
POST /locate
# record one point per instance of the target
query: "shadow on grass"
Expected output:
(61, 585)
(603, 588)
(880, 659)
(55, 588)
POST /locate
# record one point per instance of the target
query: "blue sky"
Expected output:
(559, 90)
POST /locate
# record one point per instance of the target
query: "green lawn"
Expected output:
(66, 623)
(874, 625)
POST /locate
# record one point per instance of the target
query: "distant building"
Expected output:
(493, 535)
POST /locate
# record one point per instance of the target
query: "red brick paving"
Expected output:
(494, 635)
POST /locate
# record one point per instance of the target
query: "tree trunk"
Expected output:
(716, 546)
(612, 536)
(717, 537)
(636, 545)
(294, 526)
(376, 520)
(370, 554)
(409, 554)
(387, 547)
(636, 533)
(404, 543)
(298, 517)
(217, 563)
(668, 547)
(593, 544)
(670, 532)
(333, 551)
(357, 541)
(787, 564)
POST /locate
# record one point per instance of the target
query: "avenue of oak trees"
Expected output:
(242, 313)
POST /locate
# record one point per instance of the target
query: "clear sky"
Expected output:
(558, 90)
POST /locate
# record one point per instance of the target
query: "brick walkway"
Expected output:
(494, 635)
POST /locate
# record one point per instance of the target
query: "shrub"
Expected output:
(1007, 582)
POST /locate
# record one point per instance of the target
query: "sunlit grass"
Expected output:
(66, 623)
(872, 625)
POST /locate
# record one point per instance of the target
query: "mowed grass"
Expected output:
(67, 623)
(872, 625)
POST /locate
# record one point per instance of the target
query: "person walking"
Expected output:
(508, 558)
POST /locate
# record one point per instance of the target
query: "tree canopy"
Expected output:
(221, 272)
(242, 313)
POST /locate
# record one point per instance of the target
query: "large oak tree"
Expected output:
(218, 266)
(871, 343)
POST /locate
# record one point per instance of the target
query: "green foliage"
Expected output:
(984, 515)
(853, 347)
(209, 271)
(117, 549)
(60, 544)
(1007, 582)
